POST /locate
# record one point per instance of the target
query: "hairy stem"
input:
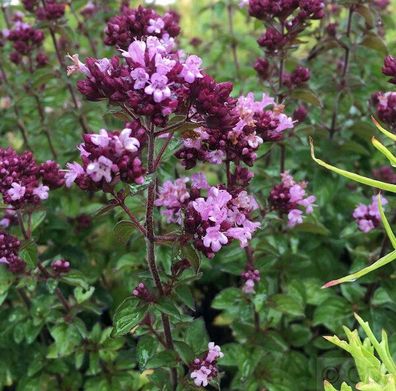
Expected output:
(282, 157)
(150, 245)
(131, 215)
(162, 151)
(41, 111)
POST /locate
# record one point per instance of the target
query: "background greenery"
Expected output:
(288, 351)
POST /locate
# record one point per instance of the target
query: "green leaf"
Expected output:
(145, 350)
(312, 227)
(37, 219)
(28, 252)
(167, 359)
(75, 278)
(191, 254)
(332, 313)
(307, 96)
(185, 352)
(104, 209)
(226, 298)
(167, 306)
(299, 335)
(196, 336)
(366, 13)
(82, 295)
(373, 41)
(6, 280)
(128, 315)
(66, 337)
(184, 294)
(42, 77)
(287, 304)
(123, 231)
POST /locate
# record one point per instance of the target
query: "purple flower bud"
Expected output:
(41, 59)
(51, 11)
(143, 293)
(138, 23)
(300, 113)
(389, 68)
(272, 40)
(262, 68)
(300, 76)
(60, 266)
(9, 248)
(331, 29)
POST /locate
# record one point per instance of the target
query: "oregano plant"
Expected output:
(163, 225)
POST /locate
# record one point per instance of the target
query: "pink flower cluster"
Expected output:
(204, 370)
(305, 9)
(368, 217)
(154, 81)
(108, 158)
(9, 247)
(386, 107)
(26, 40)
(250, 278)
(175, 195)
(212, 221)
(23, 181)
(255, 124)
(51, 10)
(288, 196)
(139, 23)
(294, 14)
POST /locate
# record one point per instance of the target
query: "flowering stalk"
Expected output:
(84, 29)
(69, 86)
(43, 121)
(249, 282)
(333, 126)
